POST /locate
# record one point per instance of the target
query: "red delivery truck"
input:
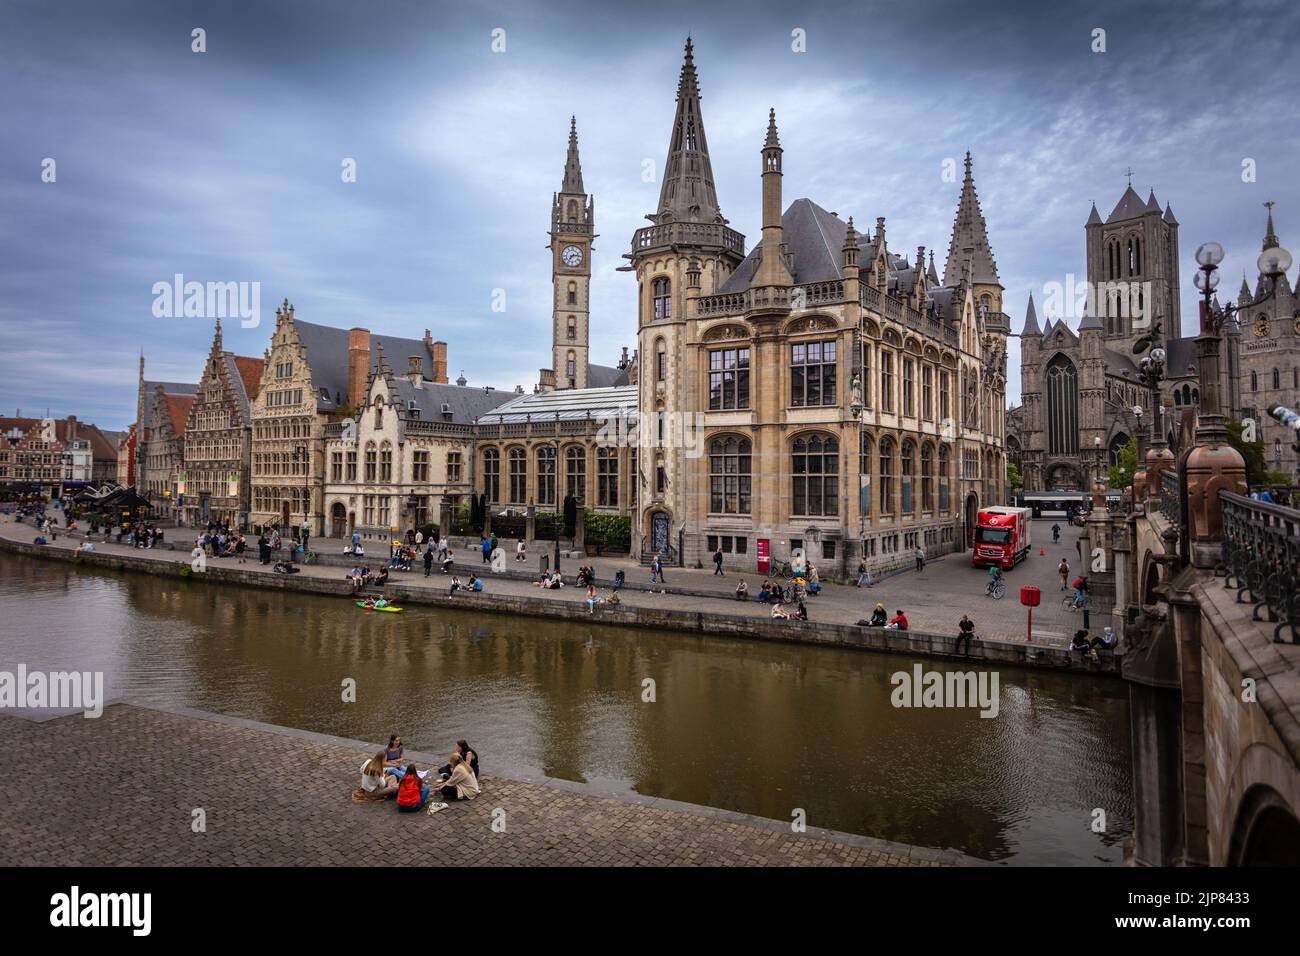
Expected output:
(1002, 537)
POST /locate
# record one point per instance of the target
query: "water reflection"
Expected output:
(754, 727)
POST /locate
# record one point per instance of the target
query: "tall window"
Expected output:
(1254, 382)
(351, 470)
(887, 475)
(908, 461)
(927, 477)
(886, 381)
(943, 478)
(545, 475)
(661, 291)
(573, 293)
(864, 474)
(815, 470)
(927, 392)
(812, 373)
(575, 472)
(661, 362)
(518, 476)
(372, 463)
(1062, 407)
(866, 374)
(492, 474)
(728, 378)
(909, 376)
(453, 466)
(730, 475)
(945, 391)
(607, 477)
(336, 465)
(379, 413)
(573, 329)
(386, 463)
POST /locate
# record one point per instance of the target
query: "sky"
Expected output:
(226, 165)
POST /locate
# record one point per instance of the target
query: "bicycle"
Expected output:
(995, 590)
(1068, 603)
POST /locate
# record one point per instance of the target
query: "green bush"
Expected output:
(611, 533)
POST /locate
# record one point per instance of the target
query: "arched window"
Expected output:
(943, 478)
(379, 412)
(518, 476)
(1254, 382)
(1196, 396)
(573, 211)
(492, 474)
(570, 369)
(575, 472)
(1137, 256)
(545, 475)
(1116, 448)
(730, 475)
(887, 476)
(573, 293)
(908, 461)
(1277, 379)
(865, 449)
(385, 463)
(1062, 407)
(927, 477)
(372, 463)
(661, 290)
(573, 328)
(815, 471)
(607, 476)
(661, 361)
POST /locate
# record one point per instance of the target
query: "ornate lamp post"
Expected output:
(1214, 465)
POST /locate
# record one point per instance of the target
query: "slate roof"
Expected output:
(569, 404)
(1180, 354)
(1130, 206)
(606, 376)
(1118, 362)
(465, 403)
(327, 356)
(1031, 319)
(813, 237)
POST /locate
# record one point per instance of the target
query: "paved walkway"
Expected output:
(274, 796)
(934, 599)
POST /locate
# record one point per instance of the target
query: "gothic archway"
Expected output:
(1266, 831)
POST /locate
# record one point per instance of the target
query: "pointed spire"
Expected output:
(931, 273)
(969, 231)
(572, 165)
(1153, 205)
(1130, 206)
(772, 139)
(1270, 238)
(1244, 293)
(687, 192)
(1031, 319)
(1169, 215)
(1094, 218)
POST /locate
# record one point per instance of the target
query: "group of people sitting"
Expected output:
(475, 583)
(586, 576)
(593, 597)
(1082, 644)
(551, 581)
(386, 774)
(772, 591)
(880, 618)
(798, 613)
(361, 576)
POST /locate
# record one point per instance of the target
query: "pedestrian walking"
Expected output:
(521, 551)
(864, 576)
(486, 547)
(920, 558)
(717, 562)
(1056, 532)
(1063, 569)
(428, 560)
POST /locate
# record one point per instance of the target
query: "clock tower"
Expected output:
(572, 233)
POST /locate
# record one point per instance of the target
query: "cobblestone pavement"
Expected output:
(934, 599)
(273, 796)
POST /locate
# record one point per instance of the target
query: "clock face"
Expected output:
(572, 256)
(1261, 327)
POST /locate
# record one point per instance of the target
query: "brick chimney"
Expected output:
(358, 365)
(438, 356)
(415, 370)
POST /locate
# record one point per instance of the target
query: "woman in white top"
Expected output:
(462, 784)
(373, 777)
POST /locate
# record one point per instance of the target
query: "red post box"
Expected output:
(1030, 597)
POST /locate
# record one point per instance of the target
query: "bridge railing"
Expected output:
(1261, 551)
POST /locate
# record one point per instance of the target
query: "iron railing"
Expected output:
(1261, 551)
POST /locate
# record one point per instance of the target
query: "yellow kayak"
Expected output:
(390, 609)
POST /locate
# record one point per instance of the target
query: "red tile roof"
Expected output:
(250, 370)
(178, 411)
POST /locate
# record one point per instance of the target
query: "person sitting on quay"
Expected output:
(284, 567)
(764, 593)
(965, 630)
(448, 561)
(475, 583)
(380, 579)
(620, 579)
(355, 579)
(373, 779)
(742, 591)
(593, 598)
(411, 792)
(1106, 642)
(393, 755)
(466, 753)
(462, 784)
(779, 611)
(1080, 642)
(551, 581)
(898, 622)
(455, 584)
(879, 616)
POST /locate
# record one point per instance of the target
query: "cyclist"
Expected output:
(1056, 532)
(995, 578)
(1080, 592)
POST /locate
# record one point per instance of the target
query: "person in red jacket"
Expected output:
(900, 621)
(412, 793)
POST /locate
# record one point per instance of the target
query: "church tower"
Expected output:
(1133, 269)
(970, 245)
(573, 217)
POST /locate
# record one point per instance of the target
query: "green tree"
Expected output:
(1121, 475)
(1252, 451)
(1014, 478)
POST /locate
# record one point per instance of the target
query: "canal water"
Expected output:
(759, 728)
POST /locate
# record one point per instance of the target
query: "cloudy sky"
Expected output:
(226, 165)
